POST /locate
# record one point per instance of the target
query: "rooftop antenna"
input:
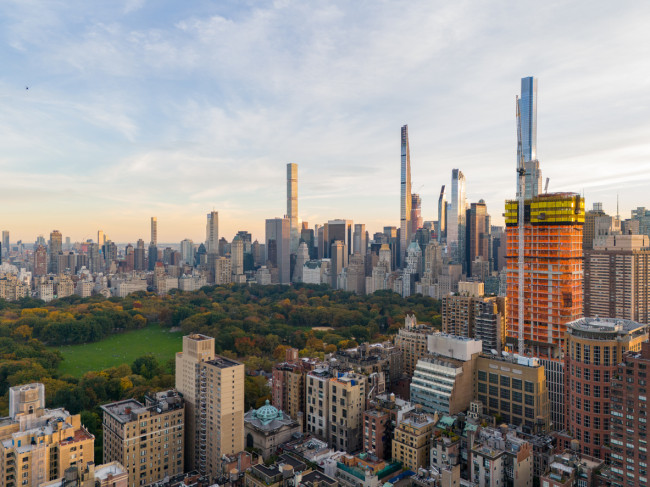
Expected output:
(546, 185)
(618, 215)
(521, 184)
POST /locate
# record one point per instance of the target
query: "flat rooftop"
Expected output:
(604, 325)
(222, 362)
(124, 411)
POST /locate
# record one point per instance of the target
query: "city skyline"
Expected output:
(126, 117)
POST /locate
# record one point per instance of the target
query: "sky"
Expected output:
(172, 109)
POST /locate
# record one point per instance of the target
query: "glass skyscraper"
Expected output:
(528, 113)
(405, 196)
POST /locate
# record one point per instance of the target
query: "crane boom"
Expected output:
(521, 183)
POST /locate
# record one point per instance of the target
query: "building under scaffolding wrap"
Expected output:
(553, 270)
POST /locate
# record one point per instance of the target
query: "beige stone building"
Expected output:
(147, 439)
(412, 441)
(412, 341)
(213, 389)
(39, 444)
(347, 394)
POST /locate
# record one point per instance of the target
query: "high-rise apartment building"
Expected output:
(212, 233)
(40, 261)
(416, 213)
(347, 402)
(40, 444)
(154, 230)
(412, 442)
(341, 230)
(629, 419)
(278, 243)
(412, 342)
(147, 439)
(139, 255)
(359, 239)
(456, 218)
(213, 389)
(478, 228)
(441, 230)
(405, 196)
(490, 323)
(617, 277)
(187, 251)
(338, 257)
(237, 256)
(594, 348)
(292, 206)
(528, 111)
(56, 246)
(553, 270)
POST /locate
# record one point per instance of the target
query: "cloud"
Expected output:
(188, 107)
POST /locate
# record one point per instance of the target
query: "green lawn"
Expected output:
(120, 349)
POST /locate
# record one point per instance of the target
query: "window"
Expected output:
(586, 406)
(494, 378)
(482, 387)
(530, 400)
(587, 374)
(596, 355)
(505, 381)
(529, 386)
(516, 396)
(482, 375)
(494, 391)
(596, 390)
(516, 384)
(587, 354)
(505, 393)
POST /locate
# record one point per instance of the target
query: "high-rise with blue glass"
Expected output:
(528, 111)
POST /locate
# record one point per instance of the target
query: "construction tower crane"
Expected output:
(521, 188)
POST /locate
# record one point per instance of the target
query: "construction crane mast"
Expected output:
(521, 189)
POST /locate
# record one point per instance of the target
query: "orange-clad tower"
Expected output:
(553, 271)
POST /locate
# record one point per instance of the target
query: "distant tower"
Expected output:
(292, 205)
(5, 241)
(56, 246)
(154, 231)
(405, 196)
(212, 233)
(416, 213)
(442, 215)
(528, 145)
(456, 217)
(277, 247)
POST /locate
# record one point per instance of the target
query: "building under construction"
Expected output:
(553, 271)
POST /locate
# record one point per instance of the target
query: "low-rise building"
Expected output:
(364, 470)
(500, 458)
(377, 433)
(267, 427)
(108, 475)
(287, 471)
(412, 341)
(568, 470)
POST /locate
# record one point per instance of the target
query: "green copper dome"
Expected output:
(267, 413)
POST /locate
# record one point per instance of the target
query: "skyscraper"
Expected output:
(359, 240)
(456, 218)
(213, 389)
(101, 238)
(277, 246)
(478, 234)
(528, 111)
(212, 233)
(139, 256)
(56, 246)
(405, 196)
(154, 231)
(5, 241)
(416, 213)
(442, 216)
(187, 251)
(292, 205)
(237, 256)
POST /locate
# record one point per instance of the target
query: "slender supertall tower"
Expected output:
(405, 196)
(292, 205)
(456, 218)
(442, 215)
(527, 146)
(154, 230)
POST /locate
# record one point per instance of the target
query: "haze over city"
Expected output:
(116, 111)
